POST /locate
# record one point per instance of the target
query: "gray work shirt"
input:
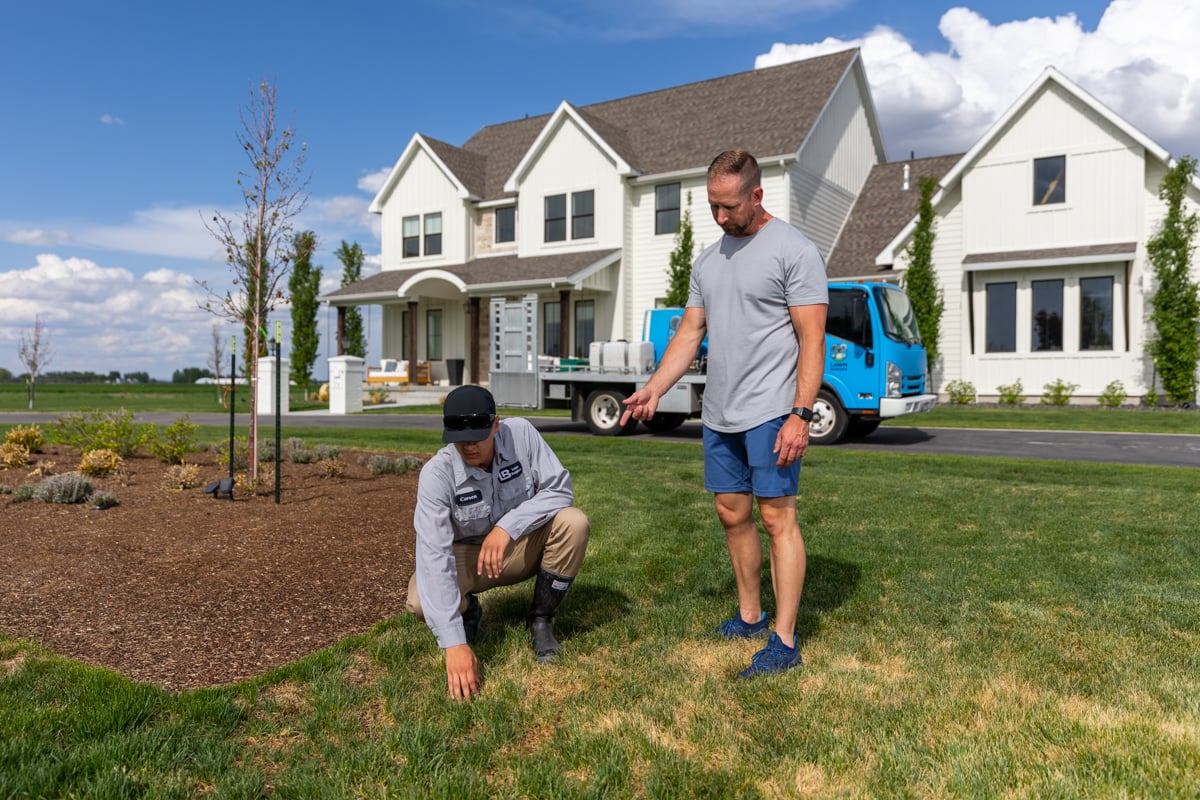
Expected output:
(456, 503)
(745, 284)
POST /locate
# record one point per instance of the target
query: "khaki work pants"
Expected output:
(557, 547)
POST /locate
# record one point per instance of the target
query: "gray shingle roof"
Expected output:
(767, 111)
(881, 211)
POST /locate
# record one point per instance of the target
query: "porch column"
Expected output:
(412, 341)
(564, 325)
(472, 341)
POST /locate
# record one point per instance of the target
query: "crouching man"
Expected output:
(494, 508)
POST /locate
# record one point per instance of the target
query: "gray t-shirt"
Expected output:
(745, 286)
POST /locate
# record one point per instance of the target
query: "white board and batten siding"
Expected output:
(424, 189)
(570, 162)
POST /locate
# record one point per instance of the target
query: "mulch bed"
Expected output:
(183, 590)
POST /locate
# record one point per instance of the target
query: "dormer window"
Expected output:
(583, 216)
(1049, 180)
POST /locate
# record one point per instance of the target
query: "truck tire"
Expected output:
(602, 411)
(860, 427)
(829, 420)
(663, 422)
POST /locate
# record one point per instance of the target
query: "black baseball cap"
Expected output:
(468, 414)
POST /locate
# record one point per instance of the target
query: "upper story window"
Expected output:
(433, 234)
(583, 216)
(666, 208)
(1049, 180)
(411, 235)
(506, 224)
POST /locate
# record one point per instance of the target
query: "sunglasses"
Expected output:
(462, 422)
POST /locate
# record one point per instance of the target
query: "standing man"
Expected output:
(494, 508)
(760, 294)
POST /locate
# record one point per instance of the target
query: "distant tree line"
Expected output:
(70, 376)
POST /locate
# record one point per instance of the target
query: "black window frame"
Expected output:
(583, 220)
(996, 316)
(1049, 180)
(585, 327)
(433, 241)
(1046, 315)
(555, 218)
(1096, 322)
(552, 328)
(667, 212)
(433, 334)
(410, 243)
(506, 226)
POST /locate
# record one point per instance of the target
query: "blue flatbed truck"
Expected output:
(875, 367)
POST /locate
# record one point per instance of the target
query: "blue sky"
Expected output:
(120, 117)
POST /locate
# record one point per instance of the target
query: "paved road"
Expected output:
(1176, 450)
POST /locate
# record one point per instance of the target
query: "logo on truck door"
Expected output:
(838, 351)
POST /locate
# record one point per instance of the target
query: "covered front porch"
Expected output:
(435, 319)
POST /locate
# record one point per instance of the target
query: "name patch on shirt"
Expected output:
(508, 473)
(468, 498)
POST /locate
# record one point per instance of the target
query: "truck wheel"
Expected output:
(663, 422)
(829, 420)
(860, 427)
(603, 409)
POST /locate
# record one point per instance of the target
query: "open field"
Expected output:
(971, 628)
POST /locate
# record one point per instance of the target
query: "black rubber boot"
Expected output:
(548, 593)
(472, 618)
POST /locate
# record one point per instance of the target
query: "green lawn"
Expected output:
(180, 397)
(971, 628)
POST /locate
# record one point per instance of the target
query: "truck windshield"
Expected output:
(899, 321)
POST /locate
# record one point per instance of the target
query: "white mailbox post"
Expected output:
(345, 384)
(266, 385)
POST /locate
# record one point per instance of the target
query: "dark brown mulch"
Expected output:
(185, 591)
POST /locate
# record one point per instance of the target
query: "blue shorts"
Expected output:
(744, 462)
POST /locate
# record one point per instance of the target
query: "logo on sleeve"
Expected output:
(468, 498)
(508, 473)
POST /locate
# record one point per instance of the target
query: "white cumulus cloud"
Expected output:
(1141, 61)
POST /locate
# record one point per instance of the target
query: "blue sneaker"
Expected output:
(737, 628)
(775, 657)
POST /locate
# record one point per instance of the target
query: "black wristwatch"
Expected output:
(803, 413)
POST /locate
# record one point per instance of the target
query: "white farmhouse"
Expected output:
(580, 206)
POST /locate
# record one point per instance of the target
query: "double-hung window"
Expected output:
(552, 328)
(585, 326)
(666, 208)
(583, 216)
(411, 235)
(433, 334)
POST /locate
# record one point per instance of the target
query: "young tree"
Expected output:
(920, 281)
(679, 273)
(352, 258)
(256, 243)
(304, 286)
(33, 350)
(1175, 305)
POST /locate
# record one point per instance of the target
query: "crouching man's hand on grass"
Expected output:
(462, 672)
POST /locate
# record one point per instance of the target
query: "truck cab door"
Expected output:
(850, 368)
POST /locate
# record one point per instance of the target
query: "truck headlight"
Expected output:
(894, 382)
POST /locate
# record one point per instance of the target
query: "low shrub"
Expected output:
(301, 456)
(961, 392)
(332, 467)
(1113, 396)
(68, 488)
(327, 452)
(23, 493)
(241, 454)
(103, 500)
(295, 443)
(13, 455)
(385, 465)
(172, 444)
(100, 463)
(102, 430)
(1011, 394)
(1058, 393)
(181, 476)
(31, 438)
